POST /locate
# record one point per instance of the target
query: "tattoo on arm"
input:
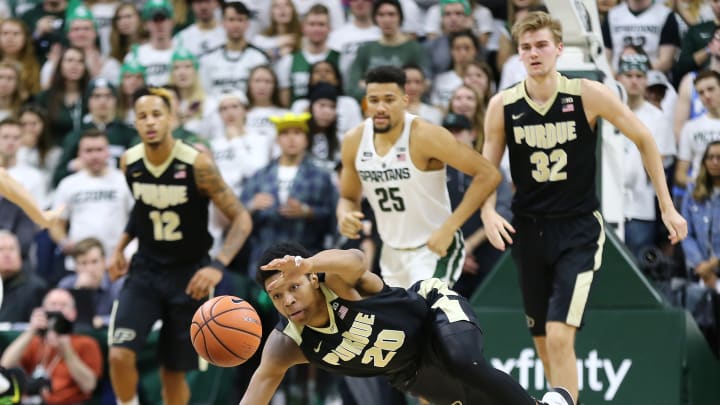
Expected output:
(210, 182)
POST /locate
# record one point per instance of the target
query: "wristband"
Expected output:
(217, 264)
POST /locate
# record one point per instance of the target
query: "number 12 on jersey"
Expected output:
(165, 224)
(389, 199)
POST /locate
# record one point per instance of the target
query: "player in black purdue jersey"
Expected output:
(344, 319)
(547, 122)
(171, 272)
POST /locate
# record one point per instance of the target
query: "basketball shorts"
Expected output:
(152, 292)
(556, 259)
(403, 267)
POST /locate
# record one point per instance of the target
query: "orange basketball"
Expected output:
(226, 331)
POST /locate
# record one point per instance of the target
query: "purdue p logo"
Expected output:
(122, 335)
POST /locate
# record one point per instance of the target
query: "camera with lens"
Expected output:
(57, 323)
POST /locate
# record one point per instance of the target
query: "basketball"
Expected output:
(226, 331)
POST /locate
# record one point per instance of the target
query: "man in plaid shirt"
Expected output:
(292, 198)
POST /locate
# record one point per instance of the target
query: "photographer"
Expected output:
(64, 368)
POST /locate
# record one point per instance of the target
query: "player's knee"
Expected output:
(121, 357)
(461, 348)
(560, 338)
(171, 376)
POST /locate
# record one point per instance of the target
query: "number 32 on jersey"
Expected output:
(549, 167)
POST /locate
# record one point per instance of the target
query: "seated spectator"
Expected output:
(292, 198)
(293, 70)
(132, 77)
(31, 178)
(349, 114)
(698, 132)
(101, 99)
(263, 96)
(47, 20)
(701, 208)
(394, 47)
(699, 45)
(158, 18)
(91, 276)
(10, 91)
(195, 108)
(127, 30)
(22, 288)
(206, 33)
(98, 190)
(464, 49)
(456, 17)
(415, 87)
(16, 47)
(64, 99)
(284, 35)
(38, 149)
(71, 364)
(82, 33)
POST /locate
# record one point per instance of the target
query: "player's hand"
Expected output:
(440, 240)
(497, 229)
(51, 217)
(203, 280)
(350, 224)
(118, 266)
(676, 225)
(289, 267)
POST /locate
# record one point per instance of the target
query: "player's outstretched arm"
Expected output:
(280, 353)
(15, 192)
(431, 142)
(210, 182)
(349, 216)
(497, 228)
(600, 101)
(345, 271)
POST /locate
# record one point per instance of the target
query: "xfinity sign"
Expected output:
(594, 372)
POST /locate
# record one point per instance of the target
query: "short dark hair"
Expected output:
(395, 3)
(238, 6)
(276, 251)
(705, 74)
(92, 133)
(86, 245)
(386, 74)
(10, 121)
(153, 91)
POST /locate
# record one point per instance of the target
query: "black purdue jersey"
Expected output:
(170, 216)
(379, 335)
(552, 152)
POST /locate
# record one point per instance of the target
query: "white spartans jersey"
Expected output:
(200, 42)
(156, 63)
(223, 71)
(696, 134)
(642, 29)
(409, 204)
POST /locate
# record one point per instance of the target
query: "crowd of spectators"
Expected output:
(68, 70)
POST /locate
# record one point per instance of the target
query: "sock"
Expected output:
(133, 401)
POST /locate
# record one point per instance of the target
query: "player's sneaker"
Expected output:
(557, 396)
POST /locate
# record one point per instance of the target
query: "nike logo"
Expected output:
(317, 348)
(136, 174)
(517, 116)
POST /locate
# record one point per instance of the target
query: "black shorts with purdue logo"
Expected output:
(151, 292)
(556, 260)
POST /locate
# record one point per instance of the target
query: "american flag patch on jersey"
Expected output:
(181, 174)
(568, 108)
(401, 157)
(342, 311)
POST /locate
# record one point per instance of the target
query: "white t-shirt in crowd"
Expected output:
(694, 137)
(200, 42)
